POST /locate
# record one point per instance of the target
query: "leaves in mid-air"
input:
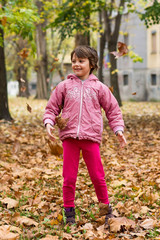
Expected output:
(122, 50)
(61, 122)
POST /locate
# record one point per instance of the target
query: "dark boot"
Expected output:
(109, 215)
(106, 210)
(70, 215)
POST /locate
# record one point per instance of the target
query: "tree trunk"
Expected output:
(42, 62)
(102, 42)
(23, 85)
(4, 109)
(82, 39)
(21, 66)
(113, 75)
(112, 28)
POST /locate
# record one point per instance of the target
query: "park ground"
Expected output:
(31, 203)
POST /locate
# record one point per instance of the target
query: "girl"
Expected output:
(82, 95)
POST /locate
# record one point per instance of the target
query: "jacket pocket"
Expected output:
(97, 123)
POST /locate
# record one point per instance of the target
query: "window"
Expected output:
(153, 79)
(125, 80)
(33, 86)
(153, 42)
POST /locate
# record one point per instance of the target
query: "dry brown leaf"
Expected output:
(22, 80)
(24, 53)
(89, 234)
(120, 224)
(148, 224)
(16, 147)
(61, 122)
(67, 236)
(29, 109)
(111, 89)
(5, 233)
(88, 226)
(103, 209)
(4, 20)
(122, 50)
(50, 237)
(11, 203)
(23, 89)
(55, 148)
(22, 220)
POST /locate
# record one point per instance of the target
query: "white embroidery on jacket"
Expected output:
(89, 93)
(75, 93)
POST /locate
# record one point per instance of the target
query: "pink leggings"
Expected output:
(91, 155)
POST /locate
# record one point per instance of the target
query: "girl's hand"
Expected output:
(121, 139)
(49, 129)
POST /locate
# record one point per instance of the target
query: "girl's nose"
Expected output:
(76, 63)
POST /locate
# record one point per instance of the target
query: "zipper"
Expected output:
(80, 112)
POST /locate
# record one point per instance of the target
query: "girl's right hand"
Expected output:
(49, 129)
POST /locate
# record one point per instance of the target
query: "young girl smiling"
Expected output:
(82, 95)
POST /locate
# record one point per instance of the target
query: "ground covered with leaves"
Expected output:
(31, 203)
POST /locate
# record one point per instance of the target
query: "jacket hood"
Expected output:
(91, 77)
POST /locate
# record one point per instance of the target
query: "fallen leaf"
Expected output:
(67, 236)
(50, 237)
(23, 89)
(148, 224)
(61, 122)
(55, 148)
(122, 50)
(103, 209)
(22, 80)
(4, 20)
(11, 203)
(51, 70)
(120, 224)
(111, 89)
(29, 108)
(88, 226)
(16, 147)
(24, 53)
(5, 233)
(23, 220)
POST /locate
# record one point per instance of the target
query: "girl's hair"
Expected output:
(84, 51)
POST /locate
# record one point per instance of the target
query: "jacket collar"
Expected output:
(91, 77)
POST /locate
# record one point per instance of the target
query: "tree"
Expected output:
(21, 65)
(42, 61)
(73, 19)
(4, 109)
(72, 16)
(17, 17)
(151, 14)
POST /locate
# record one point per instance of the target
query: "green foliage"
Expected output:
(20, 17)
(152, 14)
(75, 15)
(135, 57)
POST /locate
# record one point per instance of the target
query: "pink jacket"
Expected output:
(82, 102)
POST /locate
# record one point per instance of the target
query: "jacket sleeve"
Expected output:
(111, 108)
(54, 104)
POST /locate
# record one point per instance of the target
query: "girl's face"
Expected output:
(81, 67)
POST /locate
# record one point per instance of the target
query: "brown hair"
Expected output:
(84, 51)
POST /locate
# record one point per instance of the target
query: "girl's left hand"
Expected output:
(121, 139)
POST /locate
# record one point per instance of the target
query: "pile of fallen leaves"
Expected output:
(31, 202)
